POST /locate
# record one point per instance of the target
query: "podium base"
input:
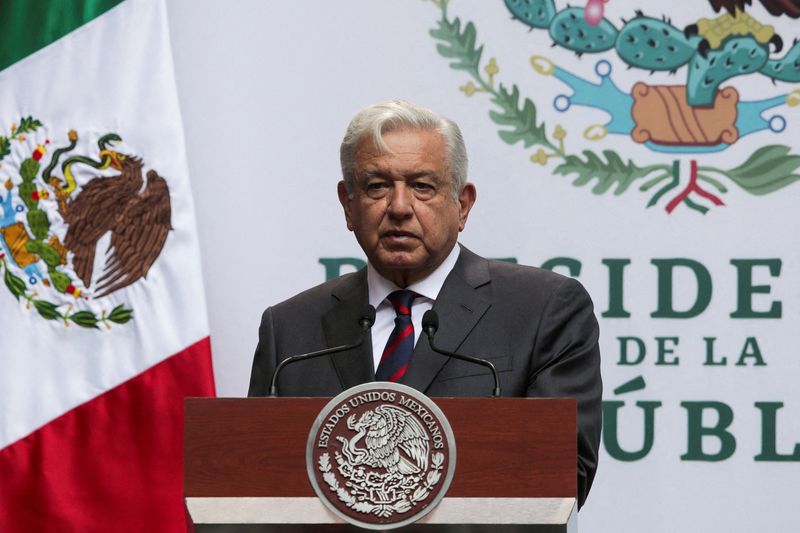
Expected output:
(309, 515)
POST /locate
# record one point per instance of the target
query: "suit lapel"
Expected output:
(464, 299)
(340, 325)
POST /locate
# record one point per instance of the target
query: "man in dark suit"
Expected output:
(406, 198)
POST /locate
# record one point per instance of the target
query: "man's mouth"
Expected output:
(398, 237)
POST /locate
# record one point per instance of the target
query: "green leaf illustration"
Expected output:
(606, 173)
(766, 170)
(522, 120)
(28, 124)
(457, 45)
(5, 147)
(85, 319)
(14, 284)
(46, 309)
(120, 315)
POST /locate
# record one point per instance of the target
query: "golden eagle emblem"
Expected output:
(138, 219)
(58, 210)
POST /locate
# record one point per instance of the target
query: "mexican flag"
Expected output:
(103, 326)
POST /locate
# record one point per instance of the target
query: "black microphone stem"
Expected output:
(273, 386)
(431, 324)
(366, 321)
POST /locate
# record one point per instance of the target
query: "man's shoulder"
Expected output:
(520, 281)
(507, 269)
(325, 294)
(507, 272)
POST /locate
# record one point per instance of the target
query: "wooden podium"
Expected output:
(245, 471)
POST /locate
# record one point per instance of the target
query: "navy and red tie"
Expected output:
(397, 354)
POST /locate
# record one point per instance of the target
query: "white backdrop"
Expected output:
(266, 90)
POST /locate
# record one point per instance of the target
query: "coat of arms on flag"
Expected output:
(51, 226)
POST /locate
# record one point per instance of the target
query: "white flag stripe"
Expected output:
(110, 75)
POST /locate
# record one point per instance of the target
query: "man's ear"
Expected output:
(466, 199)
(344, 199)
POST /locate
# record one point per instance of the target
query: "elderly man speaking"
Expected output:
(406, 198)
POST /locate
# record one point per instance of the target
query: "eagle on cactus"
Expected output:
(137, 218)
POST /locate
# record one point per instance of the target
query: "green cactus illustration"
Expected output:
(786, 68)
(570, 30)
(657, 45)
(652, 44)
(738, 56)
(534, 13)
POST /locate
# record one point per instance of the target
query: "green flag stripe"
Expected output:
(29, 25)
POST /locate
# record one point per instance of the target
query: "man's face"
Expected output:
(402, 211)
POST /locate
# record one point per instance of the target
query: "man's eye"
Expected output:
(377, 188)
(423, 189)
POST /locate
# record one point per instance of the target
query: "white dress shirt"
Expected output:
(427, 290)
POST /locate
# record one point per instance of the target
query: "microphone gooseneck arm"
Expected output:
(366, 320)
(430, 324)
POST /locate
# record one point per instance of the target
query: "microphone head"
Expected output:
(367, 318)
(430, 322)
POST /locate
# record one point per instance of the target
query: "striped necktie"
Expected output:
(397, 354)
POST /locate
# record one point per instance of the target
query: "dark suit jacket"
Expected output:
(537, 327)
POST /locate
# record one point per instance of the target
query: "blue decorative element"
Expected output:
(561, 103)
(604, 95)
(750, 117)
(7, 219)
(8, 210)
(668, 149)
(777, 123)
(602, 68)
(618, 104)
(33, 272)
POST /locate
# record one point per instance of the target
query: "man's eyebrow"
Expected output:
(422, 174)
(367, 174)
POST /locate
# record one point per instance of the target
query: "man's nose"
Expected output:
(400, 201)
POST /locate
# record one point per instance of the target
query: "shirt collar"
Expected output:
(429, 287)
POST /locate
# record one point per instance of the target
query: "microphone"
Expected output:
(365, 321)
(430, 324)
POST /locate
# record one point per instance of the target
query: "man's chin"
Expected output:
(397, 263)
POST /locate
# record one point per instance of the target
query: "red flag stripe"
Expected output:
(113, 463)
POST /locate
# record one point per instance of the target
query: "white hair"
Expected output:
(379, 119)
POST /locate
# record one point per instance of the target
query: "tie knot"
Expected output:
(401, 301)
